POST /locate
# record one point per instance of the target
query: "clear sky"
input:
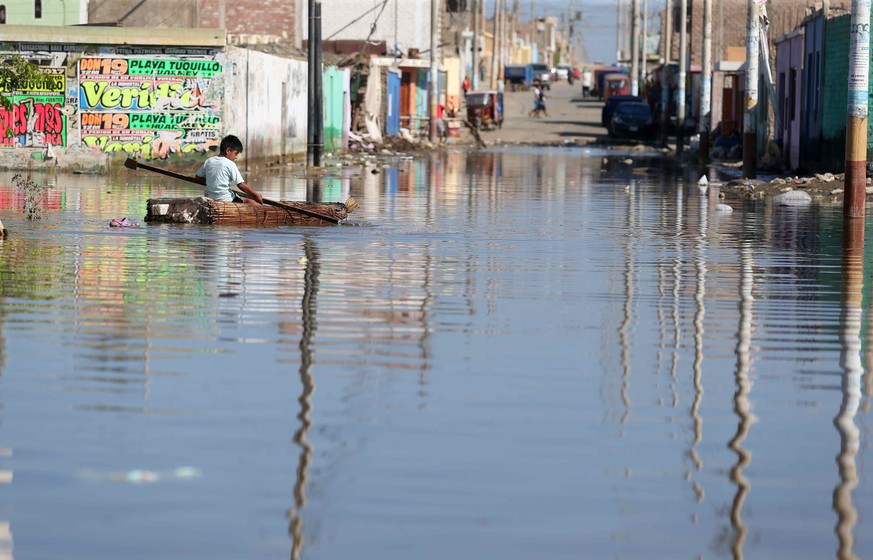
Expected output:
(598, 24)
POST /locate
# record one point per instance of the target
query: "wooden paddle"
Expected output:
(133, 164)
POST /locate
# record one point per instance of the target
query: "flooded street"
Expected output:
(517, 353)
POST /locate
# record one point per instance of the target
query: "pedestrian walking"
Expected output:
(537, 94)
(587, 82)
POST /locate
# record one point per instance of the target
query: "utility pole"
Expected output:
(750, 117)
(856, 111)
(635, 50)
(683, 67)
(667, 39)
(705, 87)
(619, 40)
(315, 115)
(474, 79)
(434, 68)
(495, 48)
(643, 43)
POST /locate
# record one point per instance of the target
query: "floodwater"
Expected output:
(528, 353)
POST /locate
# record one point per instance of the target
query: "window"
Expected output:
(2, 13)
(37, 9)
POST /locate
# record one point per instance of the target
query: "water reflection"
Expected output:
(700, 269)
(851, 312)
(742, 404)
(307, 383)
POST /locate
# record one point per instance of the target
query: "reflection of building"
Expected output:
(6, 545)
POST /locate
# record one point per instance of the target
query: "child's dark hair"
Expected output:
(230, 142)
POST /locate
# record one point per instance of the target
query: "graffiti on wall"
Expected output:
(149, 107)
(37, 117)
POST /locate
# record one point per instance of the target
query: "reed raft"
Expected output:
(202, 210)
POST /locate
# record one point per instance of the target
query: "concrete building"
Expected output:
(148, 93)
(43, 12)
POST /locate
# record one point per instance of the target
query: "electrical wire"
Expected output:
(359, 18)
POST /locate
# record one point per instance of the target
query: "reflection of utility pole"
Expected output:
(851, 312)
(742, 406)
(308, 306)
(699, 315)
(624, 329)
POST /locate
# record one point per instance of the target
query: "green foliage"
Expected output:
(14, 71)
(34, 196)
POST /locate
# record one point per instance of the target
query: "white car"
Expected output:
(561, 72)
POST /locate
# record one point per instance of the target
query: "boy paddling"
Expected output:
(220, 174)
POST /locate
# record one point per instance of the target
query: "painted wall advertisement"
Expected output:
(37, 118)
(149, 107)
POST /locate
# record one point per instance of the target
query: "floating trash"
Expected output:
(792, 198)
(141, 476)
(723, 208)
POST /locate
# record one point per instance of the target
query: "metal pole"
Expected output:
(434, 69)
(856, 111)
(705, 87)
(619, 42)
(474, 79)
(635, 47)
(750, 117)
(683, 67)
(667, 39)
(495, 29)
(318, 136)
(310, 86)
(643, 40)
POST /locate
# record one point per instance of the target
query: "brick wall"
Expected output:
(729, 24)
(271, 19)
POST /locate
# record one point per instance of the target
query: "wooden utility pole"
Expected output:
(856, 111)
(750, 117)
(635, 47)
(434, 68)
(474, 79)
(315, 113)
(495, 47)
(619, 40)
(667, 40)
(683, 67)
(705, 87)
(644, 36)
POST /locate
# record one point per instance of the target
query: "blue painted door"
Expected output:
(392, 124)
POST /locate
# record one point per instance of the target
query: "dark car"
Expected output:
(611, 103)
(631, 120)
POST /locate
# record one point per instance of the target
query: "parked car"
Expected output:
(561, 72)
(631, 119)
(576, 73)
(543, 74)
(611, 103)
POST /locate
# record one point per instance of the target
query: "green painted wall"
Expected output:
(334, 102)
(54, 12)
(835, 94)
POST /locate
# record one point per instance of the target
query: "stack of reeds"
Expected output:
(203, 210)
